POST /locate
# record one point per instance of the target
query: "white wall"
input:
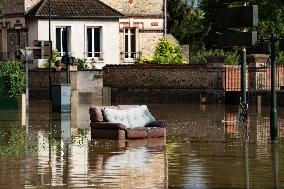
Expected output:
(110, 37)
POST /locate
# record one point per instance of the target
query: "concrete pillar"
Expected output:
(216, 78)
(255, 77)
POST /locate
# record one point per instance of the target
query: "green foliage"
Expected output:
(81, 64)
(232, 58)
(53, 59)
(198, 58)
(201, 57)
(168, 53)
(145, 60)
(165, 53)
(186, 24)
(14, 77)
(271, 17)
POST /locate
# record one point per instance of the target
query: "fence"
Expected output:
(257, 78)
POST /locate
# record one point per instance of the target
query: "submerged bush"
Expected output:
(13, 76)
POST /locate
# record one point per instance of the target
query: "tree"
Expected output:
(271, 17)
(186, 23)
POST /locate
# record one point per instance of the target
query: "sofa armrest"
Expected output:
(160, 123)
(107, 125)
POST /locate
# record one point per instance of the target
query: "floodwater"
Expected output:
(205, 147)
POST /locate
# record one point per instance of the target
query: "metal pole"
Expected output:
(49, 60)
(243, 77)
(273, 110)
(243, 101)
(165, 18)
(27, 90)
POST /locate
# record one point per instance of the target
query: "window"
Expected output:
(63, 40)
(130, 43)
(94, 42)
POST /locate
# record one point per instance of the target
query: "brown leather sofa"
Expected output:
(100, 129)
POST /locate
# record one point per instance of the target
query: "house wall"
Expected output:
(135, 7)
(18, 6)
(147, 16)
(110, 38)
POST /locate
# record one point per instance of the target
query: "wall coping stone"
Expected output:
(257, 58)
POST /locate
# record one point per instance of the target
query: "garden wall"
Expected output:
(166, 83)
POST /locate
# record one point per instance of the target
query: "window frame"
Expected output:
(127, 33)
(93, 52)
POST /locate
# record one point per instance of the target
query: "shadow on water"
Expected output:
(204, 148)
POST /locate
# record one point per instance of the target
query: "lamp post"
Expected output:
(49, 60)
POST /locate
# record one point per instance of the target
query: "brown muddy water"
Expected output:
(204, 148)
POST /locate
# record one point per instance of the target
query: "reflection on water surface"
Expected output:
(204, 149)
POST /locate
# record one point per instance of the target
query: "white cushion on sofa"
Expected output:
(116, 116)
(139, 116)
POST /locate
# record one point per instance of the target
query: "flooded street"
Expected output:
(204, 148)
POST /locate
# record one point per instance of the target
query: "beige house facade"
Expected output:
(124, 29)
(142, 27)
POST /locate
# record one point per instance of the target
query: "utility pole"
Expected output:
(273, 102)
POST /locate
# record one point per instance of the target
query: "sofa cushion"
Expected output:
(96, 114)
(139, 116)
(116, 116)
(138, 132)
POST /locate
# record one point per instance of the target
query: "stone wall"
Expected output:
(13, 6)
(136, 7)
(17, 6)
(12, 41)
(39, 82)
(148, 42)
(165, 83)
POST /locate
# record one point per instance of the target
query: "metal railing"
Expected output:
(258, 78)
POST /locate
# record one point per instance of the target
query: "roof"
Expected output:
(73, 9)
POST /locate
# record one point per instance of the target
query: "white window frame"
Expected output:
(62, 53)
(129, 34)
(101, 53)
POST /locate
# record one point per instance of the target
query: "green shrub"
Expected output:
(165, 53)
(14, 77)
(232, 58)
(81, 64)
(198, 58)
(201, 57)
(53, 59)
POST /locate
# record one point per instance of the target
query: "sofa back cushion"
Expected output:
(96, 114)
(116, 116)
(139, 116)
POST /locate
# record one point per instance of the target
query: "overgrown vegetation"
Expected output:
(81, 64)
(11, 72)
(165, 53)
(201, 57)
(53, 59)
(13, 142)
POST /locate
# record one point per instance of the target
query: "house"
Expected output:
(100, 31)
(141, 28)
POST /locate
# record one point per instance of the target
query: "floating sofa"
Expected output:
(124, 122)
